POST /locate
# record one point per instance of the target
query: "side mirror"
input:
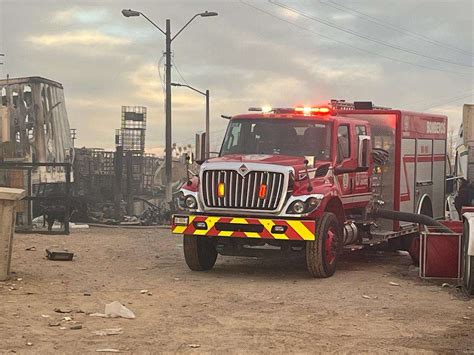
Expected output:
(200, 153)
(363, 153)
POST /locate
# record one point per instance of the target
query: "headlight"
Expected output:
(297, 207)
(190, 202)
(300, 207)
(312, 203)
(180, 201)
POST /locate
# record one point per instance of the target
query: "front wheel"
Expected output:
(199, 252)
(323, 253)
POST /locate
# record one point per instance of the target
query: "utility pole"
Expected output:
(208, 132)
(168, 155)
(169, 39)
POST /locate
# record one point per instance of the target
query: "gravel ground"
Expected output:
(374, 302)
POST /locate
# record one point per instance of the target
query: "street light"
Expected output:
(169, 39)
(206, 94)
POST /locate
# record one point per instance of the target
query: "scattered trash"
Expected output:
(59, 255)
(142, 268)
(19, 279)
(115, 310)
(366, 297)
(31, 249)
(150, 294)
(76, 327)
(87, 293)
(177, 279)
(466, 318)
(194, 346)
(29, 343)
(143, 291)
(62, 328)
(110, 331)
(62, 310)
(393, 284)
(97, 315)
(445, 284)
(107, 350)
(54, 324)
(45, 315)
(67, 319)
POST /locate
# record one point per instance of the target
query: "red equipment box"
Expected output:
(440, 252)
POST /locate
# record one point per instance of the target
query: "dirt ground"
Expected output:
(244, 305)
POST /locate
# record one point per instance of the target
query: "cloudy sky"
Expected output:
(409, 54)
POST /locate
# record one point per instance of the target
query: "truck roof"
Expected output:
(334, 115)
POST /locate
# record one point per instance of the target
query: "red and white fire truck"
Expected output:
(316, 180)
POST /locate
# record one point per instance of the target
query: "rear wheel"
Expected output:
(199, 252)
(412, 242)
(323, 253)
(467, 262)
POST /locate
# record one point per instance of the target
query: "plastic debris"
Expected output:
(194, 346)
(143, 291)
(110, 331)
(366, 297)
(107, 350)
(393, 284)
(116, 309)
(62, 310)
(76, 327)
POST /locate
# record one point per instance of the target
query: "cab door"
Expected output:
(345, 161)
(354, 184)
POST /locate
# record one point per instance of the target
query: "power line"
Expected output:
(418, 102)
(179, 73)
(350, 45)
(386, 24)
(357, 34)
(448, 102)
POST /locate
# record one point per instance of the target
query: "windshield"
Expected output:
(278, 136)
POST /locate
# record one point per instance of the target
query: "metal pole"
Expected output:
(208, 138)
(168, 156)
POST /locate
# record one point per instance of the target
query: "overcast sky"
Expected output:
(408, 54)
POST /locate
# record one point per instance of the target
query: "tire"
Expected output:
(467, 263)
(412, 243)
(199, 252)
(323, 253)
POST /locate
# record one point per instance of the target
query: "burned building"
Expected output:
(34, 124)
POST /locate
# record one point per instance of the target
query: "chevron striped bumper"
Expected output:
(238, 227)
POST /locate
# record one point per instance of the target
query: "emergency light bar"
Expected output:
(307, 110)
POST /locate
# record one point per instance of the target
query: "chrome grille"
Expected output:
(241, 192)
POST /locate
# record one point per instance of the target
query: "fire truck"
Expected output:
(318, 180)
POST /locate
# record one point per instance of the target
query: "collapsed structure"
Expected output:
(34, 126)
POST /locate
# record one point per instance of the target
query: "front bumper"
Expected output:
(215, 226)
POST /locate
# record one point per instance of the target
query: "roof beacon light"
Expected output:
(307, 111)
(267, 109)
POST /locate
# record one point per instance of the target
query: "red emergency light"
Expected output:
(313, 110)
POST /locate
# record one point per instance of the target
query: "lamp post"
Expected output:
(206, 94)
(169, 39)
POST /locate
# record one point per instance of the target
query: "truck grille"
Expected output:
(241, 192)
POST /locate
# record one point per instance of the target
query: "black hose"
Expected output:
(412, 217)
